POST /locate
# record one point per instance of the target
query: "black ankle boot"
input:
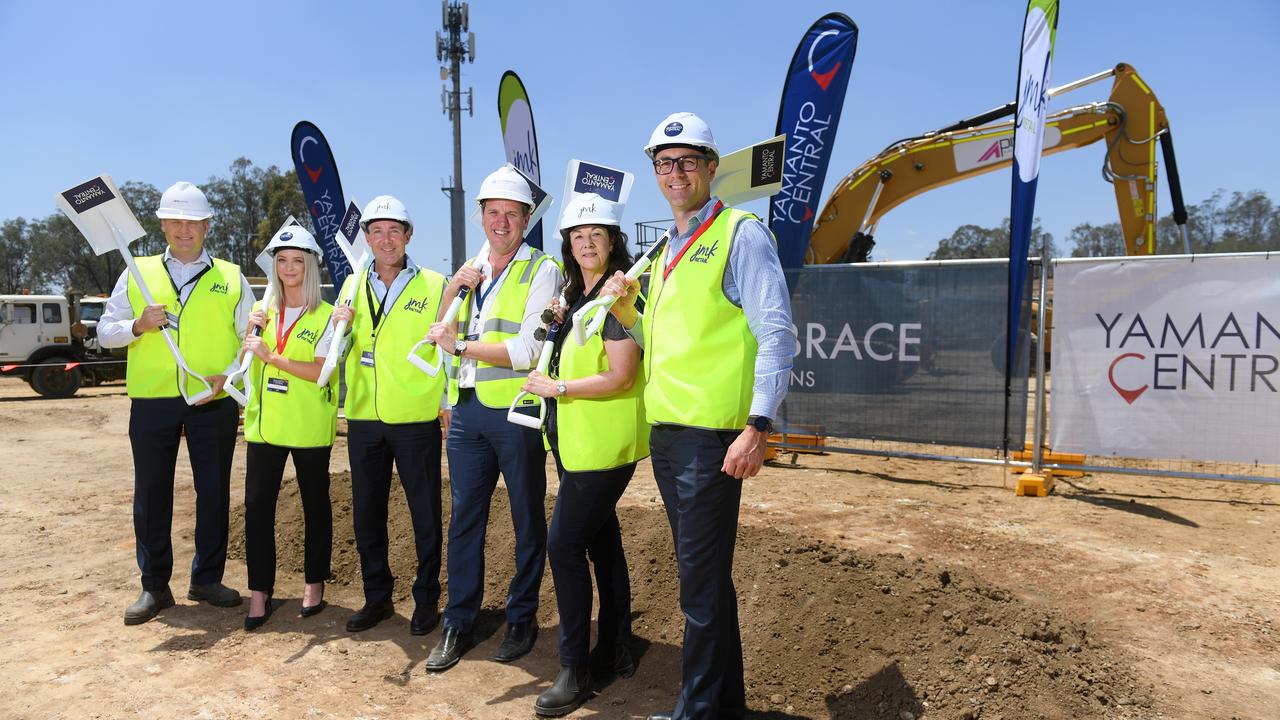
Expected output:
(571, 688)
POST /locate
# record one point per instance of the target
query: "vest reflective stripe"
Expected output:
(699, 351)
(598, 433)
(307, 415)
(497, 386)
(393, 390)
(206, 330)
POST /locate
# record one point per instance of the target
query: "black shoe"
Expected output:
(309, 610)
(252, 623)
(370, 615)
(424, 620)
(607, 663)
(518, 642)
(215, 594)
(660, 716)
(449, 650)
(571, 688)
(148, 605)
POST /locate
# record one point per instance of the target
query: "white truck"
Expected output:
(52, 343)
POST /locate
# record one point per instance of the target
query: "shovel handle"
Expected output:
(450, 316)
(590, 317)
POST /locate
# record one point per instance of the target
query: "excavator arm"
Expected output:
(1130, 121)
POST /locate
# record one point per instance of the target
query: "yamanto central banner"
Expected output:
(322, 189)
(812, 98)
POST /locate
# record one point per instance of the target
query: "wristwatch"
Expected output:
(761, 423)
(459, 347)
(561, 389)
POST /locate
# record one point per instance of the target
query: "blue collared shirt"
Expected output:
(754, 282)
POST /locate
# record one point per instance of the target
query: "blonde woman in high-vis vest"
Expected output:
(288, 414)
(596, 429)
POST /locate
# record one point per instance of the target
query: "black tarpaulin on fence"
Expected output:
(909, 352)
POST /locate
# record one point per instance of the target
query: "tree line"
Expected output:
(249, 203)
(1241, 222)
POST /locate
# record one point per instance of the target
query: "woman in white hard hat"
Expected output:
(288, 414)
(597, 432)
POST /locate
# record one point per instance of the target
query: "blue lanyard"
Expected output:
(480, 296)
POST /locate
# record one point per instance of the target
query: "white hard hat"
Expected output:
(294, 237)
(385, 207)
(682, 128)
(506, 183)
(184, 201)
(590, 209)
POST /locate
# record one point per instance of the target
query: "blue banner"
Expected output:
(812, 98)
(322, 189)
(1034, 65)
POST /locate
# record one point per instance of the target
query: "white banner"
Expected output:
(1169, 357)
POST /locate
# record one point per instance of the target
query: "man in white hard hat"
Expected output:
(509, 284)
(717, 364)
(394, 414)
(205, 302)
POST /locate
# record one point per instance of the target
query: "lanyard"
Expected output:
(480, 296)
(706, 224)
(177, 291)
(283, 339)
(375, 307)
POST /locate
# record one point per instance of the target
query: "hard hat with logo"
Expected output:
(506, 183)
(682, 128)
(590, 209)
(294, 237)
(184, 201)
(385, 207)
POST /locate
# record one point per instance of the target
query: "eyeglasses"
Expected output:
(687, 163)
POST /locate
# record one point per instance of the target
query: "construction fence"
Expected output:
(1163, 365)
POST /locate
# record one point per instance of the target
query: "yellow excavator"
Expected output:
(1130, 120)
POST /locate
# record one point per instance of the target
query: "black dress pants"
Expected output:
(415, 448)
(264, 473)
(585, 526)
(156, 427)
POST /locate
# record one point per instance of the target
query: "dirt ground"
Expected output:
(868, 588)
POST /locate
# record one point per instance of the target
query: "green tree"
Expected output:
(16, 271)
(64, 260)
(1097, 240)
(974, 241)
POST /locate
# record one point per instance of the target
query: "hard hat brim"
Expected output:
(167, 215)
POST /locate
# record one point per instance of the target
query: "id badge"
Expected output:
(173, 320)
(279, 385)
(366, 358)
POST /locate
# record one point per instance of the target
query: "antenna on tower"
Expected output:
(452, 49)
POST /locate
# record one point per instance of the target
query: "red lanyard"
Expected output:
(715, 212)
(283, 339)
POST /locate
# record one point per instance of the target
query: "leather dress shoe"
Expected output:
(424, 620)
(660, 716)
(571, 688)
(518, 642)
(148, 605)
(370, 615)
(309, 610)
(618, 663)
(215, 594)
(253, 622)
(453, 643)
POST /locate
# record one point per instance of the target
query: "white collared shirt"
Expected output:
(523, 348)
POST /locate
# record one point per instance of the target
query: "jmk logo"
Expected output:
(704, 253)
(823, 79)
(220, 288)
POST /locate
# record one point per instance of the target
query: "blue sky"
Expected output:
(159, 92)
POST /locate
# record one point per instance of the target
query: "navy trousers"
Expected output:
(585, 526)
(415, 448)
(702, 507)
(156, 426)
(482, 443)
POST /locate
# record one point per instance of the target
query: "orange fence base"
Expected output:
(1034, 484)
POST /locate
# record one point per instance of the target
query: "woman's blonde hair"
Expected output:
(310, 282)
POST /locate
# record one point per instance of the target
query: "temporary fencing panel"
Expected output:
(910, 352)
(1168, 357)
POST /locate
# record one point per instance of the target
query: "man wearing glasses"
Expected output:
(718, 346)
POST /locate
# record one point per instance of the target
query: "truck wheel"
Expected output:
(50, 380)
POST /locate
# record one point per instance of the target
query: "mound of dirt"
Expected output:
(826, 632)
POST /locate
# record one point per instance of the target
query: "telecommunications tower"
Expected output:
(452, 49)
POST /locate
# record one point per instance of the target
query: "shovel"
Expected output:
(450, 316)
(267, 263)
(548, 331)
(100, 213)
(348, 237)
(590, 317)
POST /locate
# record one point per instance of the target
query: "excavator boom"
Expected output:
(1130, 121)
